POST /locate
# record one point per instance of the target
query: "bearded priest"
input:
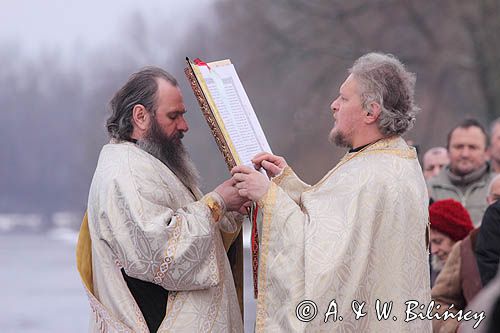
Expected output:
(151, 253)
(348, 254)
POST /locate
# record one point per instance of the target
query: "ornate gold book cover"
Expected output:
(234, 126)
(202, 98)
(227, 110)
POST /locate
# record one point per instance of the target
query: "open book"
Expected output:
(227, 110)
(237, 132)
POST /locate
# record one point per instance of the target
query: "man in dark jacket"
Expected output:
(488, 240)
(487, 255)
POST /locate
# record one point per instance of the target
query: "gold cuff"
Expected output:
(287, 171)
(262, 201)
(216, 205)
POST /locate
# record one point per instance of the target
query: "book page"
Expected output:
(235, 110)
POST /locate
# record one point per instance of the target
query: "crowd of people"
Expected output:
(464, 187)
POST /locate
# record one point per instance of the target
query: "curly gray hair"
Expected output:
(383, 79)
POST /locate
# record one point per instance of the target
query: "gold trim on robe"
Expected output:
(357, 235)
(143, 219)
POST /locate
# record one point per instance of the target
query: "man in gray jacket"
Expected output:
(467, 176)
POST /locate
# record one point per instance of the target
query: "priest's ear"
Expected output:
(372, 112)
(140, 118)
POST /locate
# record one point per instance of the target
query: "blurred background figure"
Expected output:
(434, 160)
(471, 265)
(493, 190)
(468, 174)
(458, 282)
(488, 254)
(494, 149)
(488, 245)
(450, 222)
(487, 300)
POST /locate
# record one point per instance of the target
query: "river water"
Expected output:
(41, 290)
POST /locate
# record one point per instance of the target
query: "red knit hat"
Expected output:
(450, 218)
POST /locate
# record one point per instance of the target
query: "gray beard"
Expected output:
(437, 264)
(339, 139)
(172, 153)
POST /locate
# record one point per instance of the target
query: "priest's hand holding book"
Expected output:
(274, 165)
(253, 184)
(231, 198)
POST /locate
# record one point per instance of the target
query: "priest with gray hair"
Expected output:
(335, 254)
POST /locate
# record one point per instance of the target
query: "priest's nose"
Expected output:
(334, 106)
(182, 124)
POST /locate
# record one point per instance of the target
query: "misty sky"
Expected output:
(38, 25)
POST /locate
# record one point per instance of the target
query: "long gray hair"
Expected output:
(141, 88)
(383, 79)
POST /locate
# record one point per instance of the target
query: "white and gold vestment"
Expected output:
(357, 235)
(143, 219)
